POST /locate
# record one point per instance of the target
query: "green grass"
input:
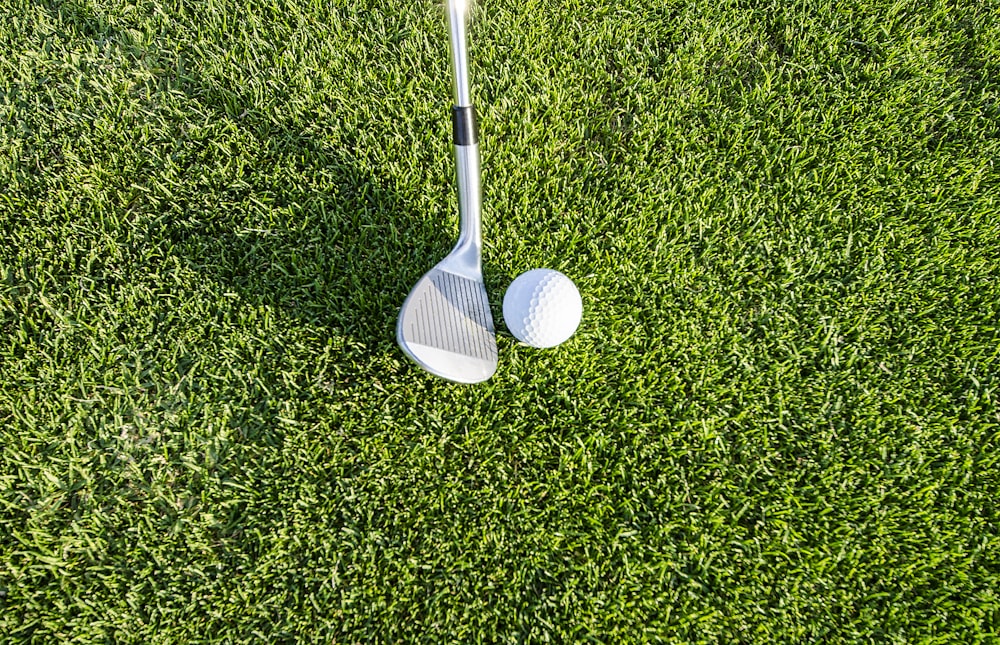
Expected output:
(778, 421)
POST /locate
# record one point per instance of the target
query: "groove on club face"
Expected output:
(446, 327)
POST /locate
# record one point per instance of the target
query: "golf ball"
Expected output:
(542, 308)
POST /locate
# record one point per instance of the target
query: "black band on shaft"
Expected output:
(466, 130)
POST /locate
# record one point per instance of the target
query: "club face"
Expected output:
(446, 327)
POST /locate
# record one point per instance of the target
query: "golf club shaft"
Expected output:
(465, 130)
(458, 17)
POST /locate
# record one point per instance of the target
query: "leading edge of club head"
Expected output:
(446, 327)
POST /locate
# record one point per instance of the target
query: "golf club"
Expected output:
(445, 324)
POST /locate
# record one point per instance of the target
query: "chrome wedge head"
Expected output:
(446, 327)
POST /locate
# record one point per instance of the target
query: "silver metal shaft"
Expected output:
(458, 18)
(466, 156)
(470, 236)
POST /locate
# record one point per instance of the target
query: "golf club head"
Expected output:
(445, 324)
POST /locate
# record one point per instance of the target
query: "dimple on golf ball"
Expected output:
(542, 308)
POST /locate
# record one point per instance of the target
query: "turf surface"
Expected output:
(777, 423)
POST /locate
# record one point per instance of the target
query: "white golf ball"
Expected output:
(542, 308)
